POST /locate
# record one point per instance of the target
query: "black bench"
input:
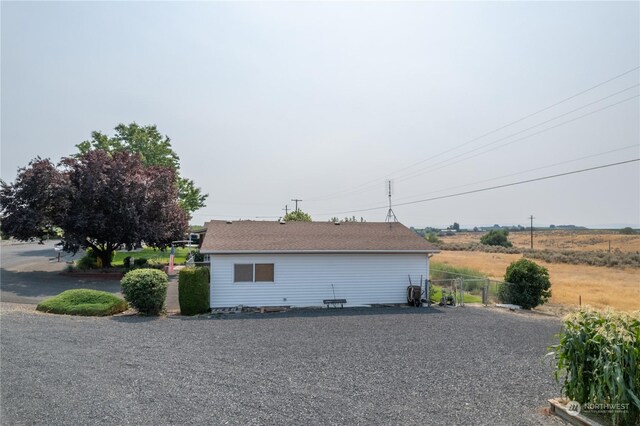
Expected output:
(334, 302)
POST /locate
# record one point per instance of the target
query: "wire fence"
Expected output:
(456, 289)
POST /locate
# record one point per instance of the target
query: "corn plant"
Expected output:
(598, 362)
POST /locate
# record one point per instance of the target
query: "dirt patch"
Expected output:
(7, 307)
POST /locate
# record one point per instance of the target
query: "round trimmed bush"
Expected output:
(145, 290)
(527, 284)
(83, 302)
(193, 290)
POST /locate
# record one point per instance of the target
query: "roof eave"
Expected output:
(317, 251)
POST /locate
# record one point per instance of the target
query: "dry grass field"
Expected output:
(600, 287)
(561, 240)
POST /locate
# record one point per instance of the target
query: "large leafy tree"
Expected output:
(155, 150)
(100, 200)
(29, 205)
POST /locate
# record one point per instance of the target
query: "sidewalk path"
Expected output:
(172, 303)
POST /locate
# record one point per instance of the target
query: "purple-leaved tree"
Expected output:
(100, 200)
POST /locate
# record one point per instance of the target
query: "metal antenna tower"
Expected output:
(391, 216)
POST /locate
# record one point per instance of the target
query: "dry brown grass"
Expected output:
(599, 286)
(561, 240)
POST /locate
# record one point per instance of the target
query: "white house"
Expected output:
(255, 263)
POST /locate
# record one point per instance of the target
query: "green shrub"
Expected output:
(90, 260)
(193, 290)
(83, 302)
(627, 231)
(432, 237)
(140, 262)
(86, 262)
(527, 284)
(496, 237)
(145, 290)
(597, 361)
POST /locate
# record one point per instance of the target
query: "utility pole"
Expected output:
(531, 217)
(296, 201)
(286, 209)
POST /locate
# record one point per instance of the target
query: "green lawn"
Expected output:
(150, 253)
(468, 297)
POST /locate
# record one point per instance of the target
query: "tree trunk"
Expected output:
(105, 257)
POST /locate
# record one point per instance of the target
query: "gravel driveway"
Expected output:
(353, 366)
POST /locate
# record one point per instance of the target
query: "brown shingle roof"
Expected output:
(258, 236)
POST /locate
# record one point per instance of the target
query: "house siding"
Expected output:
(305, 279)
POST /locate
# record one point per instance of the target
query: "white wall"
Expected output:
(305, 279)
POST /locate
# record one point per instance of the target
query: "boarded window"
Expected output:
(264, 272)
(243, 272)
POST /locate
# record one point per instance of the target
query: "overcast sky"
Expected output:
(265, 102)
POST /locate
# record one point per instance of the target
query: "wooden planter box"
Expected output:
(558, 408)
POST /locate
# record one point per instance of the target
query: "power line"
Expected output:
(432, 169)
(418, 172)
(489, 188)
(602, 83)
(444, 164)
(526, 171)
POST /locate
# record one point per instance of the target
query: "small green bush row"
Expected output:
(597, 361)
(141, 262)
(89, 261)
(193, 290)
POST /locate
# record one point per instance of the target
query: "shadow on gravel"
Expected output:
(135, 318)
(42, 284)
(316, 313)
(44, 252)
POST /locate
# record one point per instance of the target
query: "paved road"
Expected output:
(454, 366)
(30, 273)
